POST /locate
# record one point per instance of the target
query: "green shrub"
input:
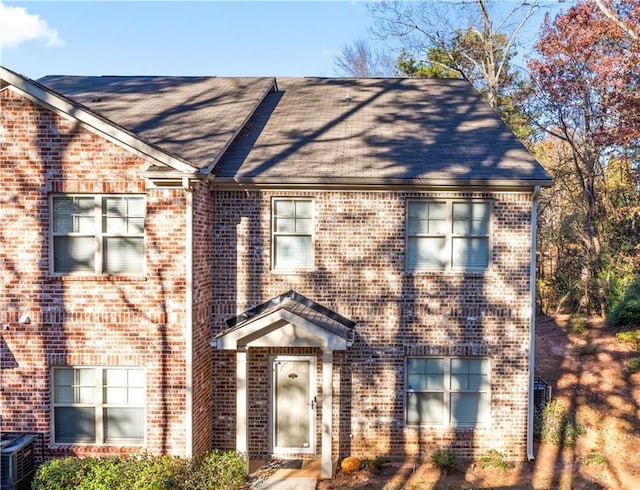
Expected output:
(587, 348)
(578, 324)
(626, 313)
(215, 470)
(558, 426)
(377, 463)
(631, 337)
(596, 459)
(495, 459)
(445, 460)
(633, 365)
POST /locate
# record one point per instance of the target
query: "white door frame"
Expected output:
(311, 405)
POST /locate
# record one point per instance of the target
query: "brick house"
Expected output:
(303, 267)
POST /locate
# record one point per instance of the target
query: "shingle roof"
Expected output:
(299, 305)
(377, 130)
(315, 130)
(194, 118)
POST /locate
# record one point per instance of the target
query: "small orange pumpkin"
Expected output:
(350, 464)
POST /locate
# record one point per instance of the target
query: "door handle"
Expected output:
(313, 403)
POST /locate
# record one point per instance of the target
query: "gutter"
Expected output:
(369, 184)
(532, 319)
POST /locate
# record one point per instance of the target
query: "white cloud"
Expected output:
(18, 26)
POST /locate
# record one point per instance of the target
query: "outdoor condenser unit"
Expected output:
(17, 462)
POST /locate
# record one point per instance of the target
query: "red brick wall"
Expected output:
(202, 305)
(359, 262)
(84, 321)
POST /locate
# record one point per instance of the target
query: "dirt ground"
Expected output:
(604, 402)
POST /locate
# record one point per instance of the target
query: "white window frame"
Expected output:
(99, 234)
(449, 236)
(275, 234)
(99, 405)
(447, 391)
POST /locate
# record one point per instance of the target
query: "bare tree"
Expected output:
(360, 60)
(475, 38)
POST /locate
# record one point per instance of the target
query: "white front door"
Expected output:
(293, 404)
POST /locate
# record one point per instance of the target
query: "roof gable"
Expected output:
(67, 107)
(290, 319)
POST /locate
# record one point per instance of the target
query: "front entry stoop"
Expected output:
(285, 474)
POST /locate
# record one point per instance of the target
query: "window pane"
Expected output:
(418, 209)
(124, 424)
(63, 376)
(478, 382)
(73, 214)
(85, 394)
(74, 424)
(425, 408)
(115, 396)
(123, 255)
(427, 218)
(115, 377)
(480, 211)
(430, 381)
(304, 225)
(284, 208)
(63, 394)
(470, 253)
(478, 366)
(284, 225)
(85, 377)
(73, 254)
(425, 374)
(418, 226)
(292, 251)
(461, 210)
(136, 377)
(426, 252)
(304, 209)
(469, 408)
(63, 214)
(416, 365)
(136, 396)
(461, 227)
(416, 382)
(123, 215)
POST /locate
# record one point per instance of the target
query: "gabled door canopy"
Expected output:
(288, 320)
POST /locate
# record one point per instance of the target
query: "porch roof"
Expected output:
(288, 320)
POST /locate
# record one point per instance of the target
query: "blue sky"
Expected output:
(228, 38)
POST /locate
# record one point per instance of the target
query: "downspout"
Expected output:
(532, 319)
(188, 420)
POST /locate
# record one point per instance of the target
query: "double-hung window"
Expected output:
(448, 235)
(99, 405)
(101, 234)
(292, 234)
(447, 391)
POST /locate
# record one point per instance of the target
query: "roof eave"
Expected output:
(363, 183)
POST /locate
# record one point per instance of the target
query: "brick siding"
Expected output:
(140, 321)
(359, 273)
(88, 320)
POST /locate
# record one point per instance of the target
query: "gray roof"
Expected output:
(299, 305)
(194, 118)
(377, 130)
(315, 130)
